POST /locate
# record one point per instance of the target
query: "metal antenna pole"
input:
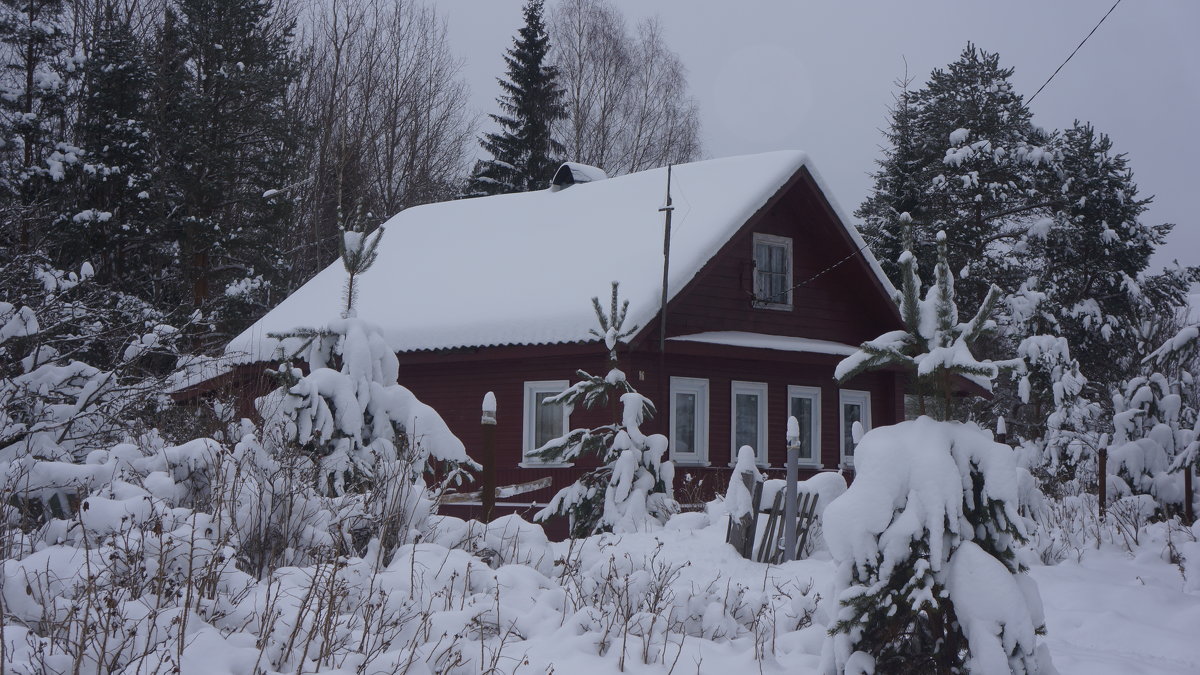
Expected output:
(662, 324)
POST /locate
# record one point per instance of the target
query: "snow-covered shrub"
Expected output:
(632, 491)
(56, 406)
(924, 540)
(1181, 354)
(1151, 428)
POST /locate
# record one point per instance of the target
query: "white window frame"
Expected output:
(759, 389)
(772, 240)
(852, 397)
(814, 395)
(699, 388)
(532, 389)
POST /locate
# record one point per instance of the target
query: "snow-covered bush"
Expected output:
(632, 491)
(924, 541)
(77, 361)
(1151, 428)
(1181, 354)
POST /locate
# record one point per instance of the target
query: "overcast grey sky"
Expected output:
(818, 76)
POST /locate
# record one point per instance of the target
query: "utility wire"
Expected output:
(1085, 39)
(866, 245)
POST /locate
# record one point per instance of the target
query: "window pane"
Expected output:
(851, 413)
(746, 431)
(779, 260)
(762, 256)
(685, 423)
(548, 419)
(802, 410)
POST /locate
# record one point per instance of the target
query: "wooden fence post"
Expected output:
(789, 495)
(1189, 497)
(1103, 482)
(488, 423)
(742, 530)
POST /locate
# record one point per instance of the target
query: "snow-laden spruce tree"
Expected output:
(934, 345)
(1151, 428)
(927, 579)
(1054, 387)
(349, 413)
(632, 490)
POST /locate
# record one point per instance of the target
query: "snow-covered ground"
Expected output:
(1113, 613)
(676, 600)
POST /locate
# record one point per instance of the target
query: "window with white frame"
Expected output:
(804, 403)
(772, 271)
(543, 422)
(749, 419)
(689, 420)
(856, 407)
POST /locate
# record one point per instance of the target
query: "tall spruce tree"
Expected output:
(223, 141)
(36, 87)
(524, 152)
(108, 222)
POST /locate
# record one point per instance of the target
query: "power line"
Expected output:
(1085, 39)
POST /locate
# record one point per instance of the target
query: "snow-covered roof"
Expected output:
(783, 343)
(521, 268)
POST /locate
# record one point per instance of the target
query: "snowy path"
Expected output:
(1112, 614)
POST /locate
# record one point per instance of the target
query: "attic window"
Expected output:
(772, 271)
(571, 173)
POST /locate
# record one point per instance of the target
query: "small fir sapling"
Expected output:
(933, 345)
(632, 490)
(932, 517)
(349, 413)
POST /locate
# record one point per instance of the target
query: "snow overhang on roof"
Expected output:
(784, 343)
(520, 269)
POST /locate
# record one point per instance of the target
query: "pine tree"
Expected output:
(1051, 218)
(631, 491)
(524, 153)
(965, 160)
(1091, 255)
(897, 186)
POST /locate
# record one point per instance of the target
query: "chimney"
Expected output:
(571, 173)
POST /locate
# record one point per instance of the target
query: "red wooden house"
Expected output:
(768, 287)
